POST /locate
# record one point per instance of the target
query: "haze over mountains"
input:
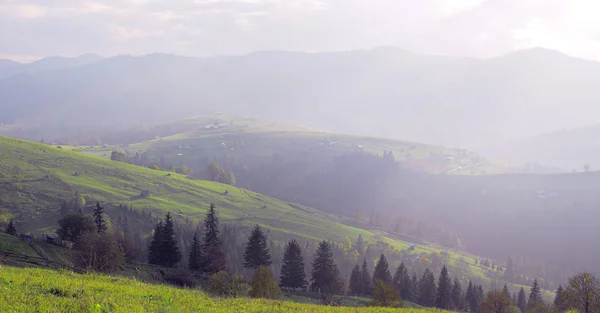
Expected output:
(451, 101)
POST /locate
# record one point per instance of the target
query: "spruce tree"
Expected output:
(325, 276)
(535, 296)
(471, 298)
(560, 300)
(457, 296)
(365, 279)
(443, 299)
(427, 289)
(292, 271)
(195, 259)
(401, 281)
(101, 226)
(257, 252)
(213, 258)
(414, 288)
(522, 301)
(506, 292)
(514, 299)
(382, 271)
(11, 229)
(154, 251)
(354, 283)
(169, 251)
(509, 274)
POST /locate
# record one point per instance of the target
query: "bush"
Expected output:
(181, 278)
(384, 295)
(72, 226)
(98, 252)
(221, 284)
(263, 285)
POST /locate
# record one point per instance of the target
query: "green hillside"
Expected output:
(35, 178)
(37, 290)
(188, 141)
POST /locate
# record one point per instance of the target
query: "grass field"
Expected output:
(37, 290)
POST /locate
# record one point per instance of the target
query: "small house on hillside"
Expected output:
(411, 247)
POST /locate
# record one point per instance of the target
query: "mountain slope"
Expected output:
(388, 92)
(34, 178)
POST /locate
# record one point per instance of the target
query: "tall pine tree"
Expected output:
(382, 271)
(213, 258)
(561, 303)
(522, 300)
(257, 252)
(506, 292)
(101, 226)
(443, 299)
(292, 271)
(195, 259)
(354, 283)
(427, 289)
(154, 251)
(365, 279)
(169, 250)
(535, 296)
(401, 281)
(414, 288)
(457, 296)
(472, 298)
(325, 276)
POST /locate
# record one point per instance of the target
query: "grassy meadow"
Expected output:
(38, 290)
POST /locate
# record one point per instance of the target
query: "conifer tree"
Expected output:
(509, 274)
(292, 271)
(457, 296)
(11, 229)
(195, 259)
(443, 299)
(325, 276)
(414, 288)
(514, 299)
(213, 258)
(101, 226)
(169, 250)
(257, 252)
(382, 271)
(560, 300)
(365, 279)
(472, 297)
(401, 281)
(427, 289)
(535, 296)
(522, 301)
(506, 292)
(354, 284)
(154, 251)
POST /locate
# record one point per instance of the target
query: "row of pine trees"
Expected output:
(206, 256)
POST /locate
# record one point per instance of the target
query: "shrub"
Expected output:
(181, 278)
(221, 284)
(263, 285)
(98, 252)
(384, 295)
(72, 226)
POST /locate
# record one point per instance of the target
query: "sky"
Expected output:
(31, 29)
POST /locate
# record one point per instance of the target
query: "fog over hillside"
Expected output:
(387, 92)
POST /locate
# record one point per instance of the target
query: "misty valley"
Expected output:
(361, 181)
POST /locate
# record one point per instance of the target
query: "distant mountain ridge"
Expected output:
(387, 92)
(9, 68)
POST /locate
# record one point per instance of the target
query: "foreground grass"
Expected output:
(37, 290)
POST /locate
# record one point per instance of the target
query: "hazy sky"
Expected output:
(31, 29)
